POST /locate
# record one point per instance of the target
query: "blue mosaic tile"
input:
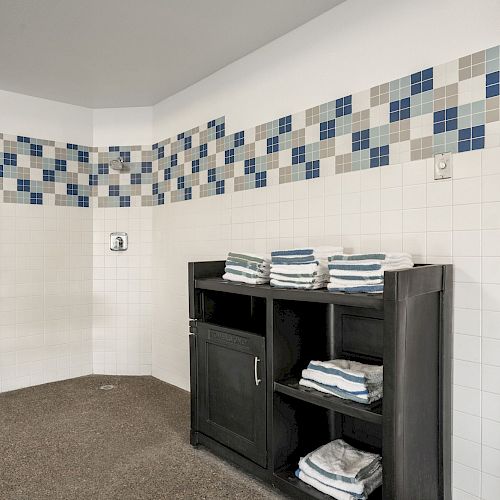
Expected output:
(23, 185)
(211, 175)
(445, 120)
(36, 198)
(298, 155)
(250, 166)
(312, 169)
(285, 124)
(493, 84)
(327, 130)
(239, 139)
(219, 187)
(361, 140)
(229, 156)
(273, 144)
(343, 106)
(260, 179)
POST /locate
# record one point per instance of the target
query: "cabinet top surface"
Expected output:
(374, 301)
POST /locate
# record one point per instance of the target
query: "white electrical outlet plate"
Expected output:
(442, 166)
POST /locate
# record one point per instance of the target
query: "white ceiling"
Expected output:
(116, 53)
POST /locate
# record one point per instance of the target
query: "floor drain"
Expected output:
(106, 387)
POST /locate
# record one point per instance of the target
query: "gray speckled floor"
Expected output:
(69, 440)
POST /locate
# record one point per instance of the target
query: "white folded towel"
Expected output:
(345, 371)
(345, 379)
(244, 279)
(340, 458)
(247, 271)
(302, 286)
(364, 397)
(299, 279)
(340, 466)
(298, 269)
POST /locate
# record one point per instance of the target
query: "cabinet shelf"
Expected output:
(290, 483)
(368, 301)
(369, 413)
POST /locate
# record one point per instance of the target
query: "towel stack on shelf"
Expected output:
(341, 471)
(364, 273)
(302, 268)
(345, 379)
(247, 268)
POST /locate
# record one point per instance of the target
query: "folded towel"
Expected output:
(303, 255)
(303, 286)
(249, 265)
(356, 289)
(292, 269)
(346, 370)
(247, 268)
(242, 269)
(350, 485)
(342, 269)
(343, 462)
(249, 257)
(356, 280)
(327, 490)
(299, 259)
(387, 257)
(319, 252)
(246, 273)
(299, 279)
(346, 379)
(364, 396)
(294, 252)
(244, 279)
(341, 471)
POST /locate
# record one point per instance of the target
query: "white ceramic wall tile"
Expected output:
(467, 479)
(45, 294)
(490, 487)
(491, 461)
(467, 453)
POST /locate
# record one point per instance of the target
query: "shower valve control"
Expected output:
(118, 242)
(442, 166)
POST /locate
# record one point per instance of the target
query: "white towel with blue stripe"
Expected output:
(304, 255)
(301, 268)
(247, 268)
(341, 471)
(364, 273)
(345, 379)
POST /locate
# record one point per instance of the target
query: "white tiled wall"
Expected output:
(45, 294)
(396, 208)
(122, 300)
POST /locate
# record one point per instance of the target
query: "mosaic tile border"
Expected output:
(450, 107)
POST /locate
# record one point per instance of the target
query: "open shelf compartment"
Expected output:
(290, 483)
(368, 412)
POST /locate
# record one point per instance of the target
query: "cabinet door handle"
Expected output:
(257, 379)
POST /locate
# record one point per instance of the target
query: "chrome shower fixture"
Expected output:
(116, 163)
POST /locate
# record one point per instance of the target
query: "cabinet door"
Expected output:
(232, 389)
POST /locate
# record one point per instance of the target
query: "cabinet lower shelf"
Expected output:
(368, 413)
(288, 481)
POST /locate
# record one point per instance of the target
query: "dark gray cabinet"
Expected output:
(243, 333)
(232, 389)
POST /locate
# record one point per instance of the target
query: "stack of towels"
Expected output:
(341, 471)
(345, 379)
(302, 268)
(364, 273)
(247, 268)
